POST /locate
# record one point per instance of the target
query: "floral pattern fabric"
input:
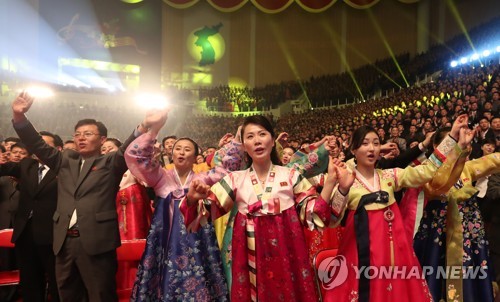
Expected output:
(430, 248)
(177, 265)
(181, 267)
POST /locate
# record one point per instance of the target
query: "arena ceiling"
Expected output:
(276, 6)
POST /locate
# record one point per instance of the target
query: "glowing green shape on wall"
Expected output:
(206, 45)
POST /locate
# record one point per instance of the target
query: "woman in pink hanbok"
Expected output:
(269, 256)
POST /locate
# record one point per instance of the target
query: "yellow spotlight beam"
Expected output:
(288, 57)
(335, 39)
(453, 8)
(386, 44)
(365, 58)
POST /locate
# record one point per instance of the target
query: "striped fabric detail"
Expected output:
(224, 194)
(252, 268)
(263, 195)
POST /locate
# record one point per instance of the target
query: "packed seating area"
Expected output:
(321, 90)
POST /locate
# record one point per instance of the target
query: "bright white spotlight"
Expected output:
(39, 92)
(498, 48)
(453, 63)
(151, 101)
(474, 57)
(486, 53)
(463, 60)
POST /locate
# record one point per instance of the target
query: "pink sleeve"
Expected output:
(141, 162)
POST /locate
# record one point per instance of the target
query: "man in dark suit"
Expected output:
(85, 221)
(492, 221)
(33, 226)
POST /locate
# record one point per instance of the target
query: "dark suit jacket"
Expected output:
(401, 161)
(493, 199)
(39, 198)
(92, 191)
(8, 202)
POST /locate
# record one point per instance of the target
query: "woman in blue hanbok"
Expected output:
(177, 266)
(451, 235)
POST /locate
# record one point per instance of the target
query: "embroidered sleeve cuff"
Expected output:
(321, 212)
(315, 213)
(338, 203)
(440, 153)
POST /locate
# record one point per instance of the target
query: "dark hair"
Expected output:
(489, 140)
(266, 124)
(21, 146)
(12, 139)
(439, 135)
(103, 131)
(196, 148)
(57, 139)
(359, 136)
(114, 141)
(69, 141)
(2, 148)
(167, 137)
(290, 147)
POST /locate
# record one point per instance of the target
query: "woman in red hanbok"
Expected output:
(375, 260)
(133, 207)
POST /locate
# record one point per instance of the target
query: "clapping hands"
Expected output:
(197, 190)
(337, 171)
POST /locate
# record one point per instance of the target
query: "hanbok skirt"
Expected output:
(134, 217)
(407, 284)
(177, 265)
(283, 270)
(430, 248)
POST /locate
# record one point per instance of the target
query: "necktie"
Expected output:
(40, 173)
(73, 219)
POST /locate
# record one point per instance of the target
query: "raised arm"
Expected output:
(229, 156)
(406, 157)
(139, 155)
(448, 174)
(412, 177)
(29, 135)
(483, 166)
(312, 160)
